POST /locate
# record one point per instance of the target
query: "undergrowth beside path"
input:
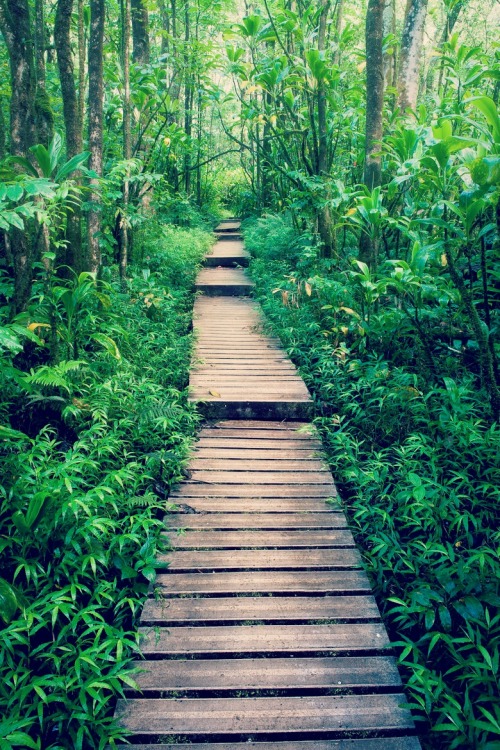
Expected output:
(417, 465)
(93, 436)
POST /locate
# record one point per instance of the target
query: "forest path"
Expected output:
(261, 629)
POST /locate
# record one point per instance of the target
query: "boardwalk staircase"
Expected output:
(261, 630)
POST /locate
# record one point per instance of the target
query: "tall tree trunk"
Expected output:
(3, 131)
(165, 27)
(411, 49)
(372, 176)
(95, 109)
(188, 98)
(16, 29)
(140, 32)
(81, 65)
(325, 222)
(72, 123)
(339, 17)
(127, 138)
(43, 110)
(389, 27)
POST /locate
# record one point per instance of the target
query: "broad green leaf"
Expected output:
(42, 156)
(15, 192)
(9, 340)
(71, 165)
(8, 601)
(55, 148)
(108, 344)
(21, 161)
(487, 106)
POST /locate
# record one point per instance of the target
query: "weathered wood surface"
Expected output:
(275, 583)
(236, 489)
(262, 590)
(260, 539)
(385, 743)
(261, 608)
(246, 559)
(238, 370)
(227, 252)
(328, 673)
(257, 520)
(223, 281)
(237, 505)
(286, 716)
(262, 639)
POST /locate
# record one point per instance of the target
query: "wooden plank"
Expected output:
(344, 673)
(234, 452)
(259, 539)
(263, 477)
(233, 505)
(263, 381)
(257, 434)
(260, 608)
(232, 349)
(238, 370)
(385, 743)
(223, 276)
(246, 559)
(256, 376)
(273, 639)
(257, 521)
(264, 716)
(245, 396)
(213, 489)
(256, 464)
(238, 444)
(265, 582)
(228, 226)
(256, 424)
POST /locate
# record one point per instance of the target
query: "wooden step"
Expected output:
(210, 488)
(223, 453)
(224, 540)
(259, 608)
(270, 521)
(288, 716)
(275, 444)
(237, 505)
(273, 464)
(274, 639)
(232, 282)
(246, 559)
(385, 743)
(304, 582)
(246, 433)
(319, 673)
(228, 225)
(227, 253)
(261, 477)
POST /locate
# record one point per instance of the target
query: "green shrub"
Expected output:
(418, 468)
(97, 444)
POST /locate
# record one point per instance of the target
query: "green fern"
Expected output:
(54, 376)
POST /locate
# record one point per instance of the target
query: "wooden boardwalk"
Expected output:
(261, 628)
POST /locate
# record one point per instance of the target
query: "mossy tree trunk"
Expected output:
(372, 176)
(15, 24)
(95, 109)
(72, 122)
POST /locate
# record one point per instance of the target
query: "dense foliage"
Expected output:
(99, 430)
(417, 460)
